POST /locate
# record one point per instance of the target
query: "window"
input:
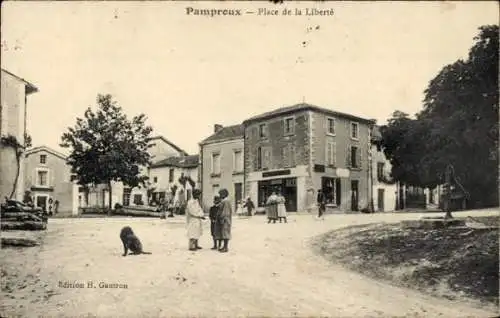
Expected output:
(262, 131)
(289, 126)
(259, 158)
(138, 199)
(126, 196)
(42, 178)
(171, 175)
(215, 163)
(354, 131)
(330, 126)
(238, 161)
(267, 159)
(354, 157)
(380, 171)
(43, 159)
(155, 179)
(288, 155)
(330, 152)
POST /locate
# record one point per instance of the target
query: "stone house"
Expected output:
(166, 173)
(302, 148)
(13, 117)
(222, 164)
(48, 177)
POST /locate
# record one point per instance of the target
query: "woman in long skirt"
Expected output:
(272, 208)
(281, 208)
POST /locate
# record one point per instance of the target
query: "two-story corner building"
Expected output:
(385, 190)
(300, 149)
(13, 116)
(48, 178)
(222, 164)
(166, 173)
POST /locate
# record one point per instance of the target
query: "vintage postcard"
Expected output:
(249, 159)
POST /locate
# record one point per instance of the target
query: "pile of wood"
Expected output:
(16, 216)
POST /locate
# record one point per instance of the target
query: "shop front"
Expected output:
(285, 186)
(332, 190)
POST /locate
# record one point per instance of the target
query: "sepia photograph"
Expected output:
(249, 159)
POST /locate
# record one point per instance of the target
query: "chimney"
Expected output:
(217, 128)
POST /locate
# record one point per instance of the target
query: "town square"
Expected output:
(225, 159)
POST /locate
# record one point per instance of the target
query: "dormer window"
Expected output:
(43, 159)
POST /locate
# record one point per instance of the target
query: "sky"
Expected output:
(189, 72)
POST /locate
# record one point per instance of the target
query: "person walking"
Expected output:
(194, 215)
(321, 200)
(272, 207)
(225, 219)
(214, 225)
(249, 205)
(281, 208)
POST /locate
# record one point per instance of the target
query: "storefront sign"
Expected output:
(275, 173)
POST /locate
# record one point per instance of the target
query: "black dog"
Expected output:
(131, 242)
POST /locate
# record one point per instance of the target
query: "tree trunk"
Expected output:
(110, 199)
(16, 180)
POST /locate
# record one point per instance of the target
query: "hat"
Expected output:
(196, 192)
(223, 193)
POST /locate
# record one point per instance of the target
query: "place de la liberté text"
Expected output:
(260, 12)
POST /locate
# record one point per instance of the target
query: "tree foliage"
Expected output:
(458, 125)
(106, 146)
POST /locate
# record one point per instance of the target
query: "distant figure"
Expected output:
(50, 206)
(215, 228)
(239, 208)
(321, 200)
(194, 215)
(225, 219)
(281, 208)
(249, 205)
(56, 206)
(272, 208)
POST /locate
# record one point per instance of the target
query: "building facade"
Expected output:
(48, 179)
(385, 190)
(13, 116)
(301, 149)
(222, 164)
(165, 177)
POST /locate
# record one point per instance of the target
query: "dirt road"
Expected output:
(269, 271)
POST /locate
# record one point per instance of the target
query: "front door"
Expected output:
(380, 199)
(41, 202)
(238, 194)
(354, 195)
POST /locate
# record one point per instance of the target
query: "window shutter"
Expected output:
(292, 155)
(334, 153)
(360, 156)
(348, 156)
(267, 159)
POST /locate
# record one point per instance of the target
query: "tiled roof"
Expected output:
(165, 140)
(301, 107)
(30, 88)
(47, 149)
(179, 162)
(226, 133)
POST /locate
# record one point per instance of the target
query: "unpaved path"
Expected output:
(269, 271)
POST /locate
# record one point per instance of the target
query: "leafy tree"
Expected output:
(458, 125)
(106, 146)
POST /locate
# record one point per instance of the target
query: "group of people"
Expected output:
(220, 221)
(275, 208)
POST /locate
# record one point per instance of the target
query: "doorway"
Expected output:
(41, 202)
(238, 193)
(354, 195)
(380, 200)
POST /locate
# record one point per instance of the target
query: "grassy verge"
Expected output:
(454, 263)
